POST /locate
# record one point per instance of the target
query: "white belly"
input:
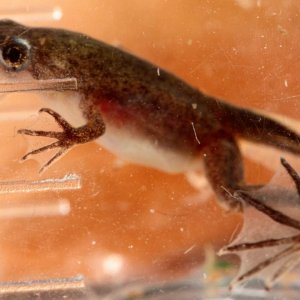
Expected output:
(140, 151)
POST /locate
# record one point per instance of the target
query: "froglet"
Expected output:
(156, 120)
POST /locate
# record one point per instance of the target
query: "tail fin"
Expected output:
(260, 129)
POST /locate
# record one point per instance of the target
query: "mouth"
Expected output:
(64, 84)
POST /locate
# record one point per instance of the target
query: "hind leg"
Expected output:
(224, 170)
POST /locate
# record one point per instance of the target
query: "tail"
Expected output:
(259, 128)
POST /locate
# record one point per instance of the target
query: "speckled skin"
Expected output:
(128, 92)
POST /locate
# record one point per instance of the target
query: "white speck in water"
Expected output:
(152, 211)
(130, 247)
(57, 14)
(119, 163)
(181, 229)
(113, 264)
(158, 72)
(286, 83)
(235, 50)
(204, 276)
(94, 243)
(245, 4)
(204, 154)
(189, 249)
(190, 42)
(282, 30)
(195, 133)
(194, 105)
(64, 208)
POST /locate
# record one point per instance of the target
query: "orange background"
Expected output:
(243, 51)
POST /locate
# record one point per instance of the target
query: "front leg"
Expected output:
(67, 138)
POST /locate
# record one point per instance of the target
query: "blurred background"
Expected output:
(128, 222)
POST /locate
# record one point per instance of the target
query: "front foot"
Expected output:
(67, 138)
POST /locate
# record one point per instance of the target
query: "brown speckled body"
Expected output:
(126, 88)
(130, 93)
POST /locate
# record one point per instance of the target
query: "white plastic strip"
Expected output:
(68, 182)
(39, 85)
(37, 286)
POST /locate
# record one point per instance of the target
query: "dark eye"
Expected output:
(15, 54)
